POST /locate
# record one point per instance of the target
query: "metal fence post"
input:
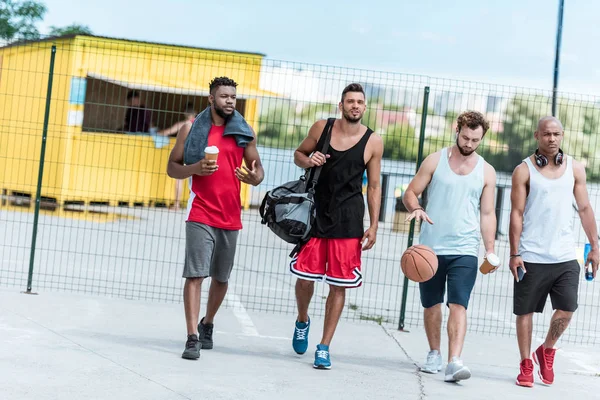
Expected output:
(41, 170)
(384, 190)
(499, 204)
(561, 7)
(411, 232)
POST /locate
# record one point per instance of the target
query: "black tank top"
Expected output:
(338, 194)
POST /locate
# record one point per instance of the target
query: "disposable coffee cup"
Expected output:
(490, 262)
(211, 153)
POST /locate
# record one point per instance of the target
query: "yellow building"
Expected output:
(89, 157)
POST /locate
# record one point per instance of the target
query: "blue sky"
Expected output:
(497, 41)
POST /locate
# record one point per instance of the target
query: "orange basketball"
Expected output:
(419, 263)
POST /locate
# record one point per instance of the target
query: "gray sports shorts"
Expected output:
(208, 251)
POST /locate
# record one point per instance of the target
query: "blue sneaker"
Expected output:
(322, 360)
(300, 340)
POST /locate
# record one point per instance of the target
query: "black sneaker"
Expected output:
(192, 348)
(205, 332)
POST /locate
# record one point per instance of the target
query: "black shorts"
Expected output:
(560, 281)
(460, 272)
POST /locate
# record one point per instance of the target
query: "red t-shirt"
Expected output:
(215, 199)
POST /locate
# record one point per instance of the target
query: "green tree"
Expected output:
(591, 121)
(370, 117)
(451, 116)
(18, 19)
(400, 143)
(73, 29)
(273, 124)
(522, 117)
(285, 124)
(580, 122)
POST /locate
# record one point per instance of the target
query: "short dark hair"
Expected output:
(221, 81)
(353, 87)
(473, 120)
(132, 93)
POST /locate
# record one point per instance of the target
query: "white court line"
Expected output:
(291, 290)
(287, 339)
(233, 302)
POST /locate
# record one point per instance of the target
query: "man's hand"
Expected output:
(419, 215)
(249, 176)
(205, 167)
(492, 252)
(513, 264)
(593, 258)
(369, 238)
(317, 159)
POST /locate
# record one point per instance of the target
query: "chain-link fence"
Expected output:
(87, 125)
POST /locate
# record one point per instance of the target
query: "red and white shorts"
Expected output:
(335, 261)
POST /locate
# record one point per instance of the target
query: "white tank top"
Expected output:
(547, 235)
(453, 206)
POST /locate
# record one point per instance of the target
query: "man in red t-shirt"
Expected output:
(214, 213)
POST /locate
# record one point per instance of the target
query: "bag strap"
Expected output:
(327, 131)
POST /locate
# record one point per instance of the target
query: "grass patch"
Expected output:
(378, 319)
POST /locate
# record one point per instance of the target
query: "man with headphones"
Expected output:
(542, 248)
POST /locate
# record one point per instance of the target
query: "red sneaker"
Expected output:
(544, 358)
(525, 377)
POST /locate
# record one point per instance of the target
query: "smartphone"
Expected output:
(520, 273)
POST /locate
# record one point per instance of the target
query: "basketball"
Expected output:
(419, 263)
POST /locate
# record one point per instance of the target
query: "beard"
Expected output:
(221, 113)
(350, 118)
(463, 151)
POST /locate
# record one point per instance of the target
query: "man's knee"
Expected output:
(194, 281)
(304, 283)
(219, 282)
(456, 308)
(435, 307)
(337, 290)
(565, 315)
(524, 317)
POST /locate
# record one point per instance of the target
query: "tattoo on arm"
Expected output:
(558, 326)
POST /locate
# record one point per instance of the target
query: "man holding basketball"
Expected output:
(333, 253)
(460, 192)
(542, 249)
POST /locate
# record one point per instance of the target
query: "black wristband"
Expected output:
(418, 208)
(514, 255)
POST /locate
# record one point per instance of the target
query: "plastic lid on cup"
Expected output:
(212, 150)
(493, 259)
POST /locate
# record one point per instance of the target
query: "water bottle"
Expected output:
(588, 268)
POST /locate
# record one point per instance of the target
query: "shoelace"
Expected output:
(301, 333)
(431, 359)
(527, 369)
(549, 359)
(208, 331)
(322, 354)
(190, 343)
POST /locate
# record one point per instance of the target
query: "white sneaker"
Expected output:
(457, 371)
(433, 365)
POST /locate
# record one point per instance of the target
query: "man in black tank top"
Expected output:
(333, 254)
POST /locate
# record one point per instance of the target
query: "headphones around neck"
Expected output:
(541, 160)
